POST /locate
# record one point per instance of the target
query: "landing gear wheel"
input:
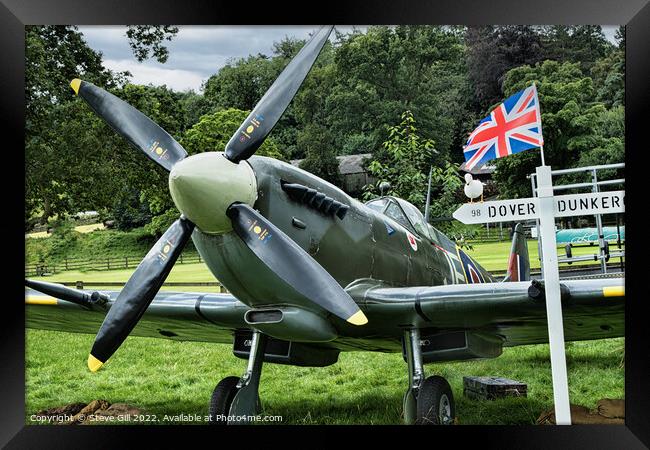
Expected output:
(221, 399)
(435, 402)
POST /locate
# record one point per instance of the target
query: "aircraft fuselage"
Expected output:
(364, 245)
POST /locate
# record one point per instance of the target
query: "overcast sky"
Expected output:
(197, 52)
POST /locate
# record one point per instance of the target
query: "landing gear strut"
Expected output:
(234, 399)
(427, 401)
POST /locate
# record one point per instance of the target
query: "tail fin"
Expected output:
(518, 262)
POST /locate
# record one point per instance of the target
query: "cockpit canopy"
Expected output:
(402, 212)
(410, 218)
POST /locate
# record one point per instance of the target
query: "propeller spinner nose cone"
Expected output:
(203, 186)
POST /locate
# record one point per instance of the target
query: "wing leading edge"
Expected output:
(172, 315)
(515, 311)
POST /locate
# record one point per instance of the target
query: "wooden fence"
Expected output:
(100, 263)
(576, 272)
(119, 284)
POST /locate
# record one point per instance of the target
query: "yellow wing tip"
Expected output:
(38, 300)
(358, 318)
(614, 291)
(75, 85)
(94, 364)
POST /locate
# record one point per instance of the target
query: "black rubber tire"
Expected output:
(435, 394)
(221, 399)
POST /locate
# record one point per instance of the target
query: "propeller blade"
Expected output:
(292, 264)
(269, 109)
(65, 293)
(138, 292)
(142, 132)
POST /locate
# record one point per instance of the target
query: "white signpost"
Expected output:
(546, 207)
(528, 208)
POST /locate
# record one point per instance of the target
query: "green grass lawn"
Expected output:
(494, 255)
(196, 272)
(171, 378)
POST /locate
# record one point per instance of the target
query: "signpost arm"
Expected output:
(553, 301)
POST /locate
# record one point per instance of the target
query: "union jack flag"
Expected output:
(512, 127)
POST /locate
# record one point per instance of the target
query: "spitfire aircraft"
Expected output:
(310, 271)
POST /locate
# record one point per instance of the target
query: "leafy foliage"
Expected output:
(583, 44)
(54, 56)
(213, 131)
(361, 84)
(161, 222)
(146, 40)
(446, 189)
(492, 51)
(129, 211)
(321, 159)
(63, 239)
(573, 124)
(387, 70)
(405, 162)
(73, 161)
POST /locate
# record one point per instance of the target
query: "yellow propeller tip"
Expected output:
(358, 318)
(94, 364)
(75, 84)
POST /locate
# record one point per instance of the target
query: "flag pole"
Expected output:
(539, 111)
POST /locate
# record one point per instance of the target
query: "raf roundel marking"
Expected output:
(412, 242)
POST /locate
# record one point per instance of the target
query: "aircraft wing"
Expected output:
(185, 316)
(513, 311)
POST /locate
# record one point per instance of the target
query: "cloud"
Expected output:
(610, 32)
(195, 53)
(157, 74)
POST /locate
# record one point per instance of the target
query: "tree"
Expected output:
(387, 70)
(405, 163)
(583, 44)
(213, 131)
(74, 161)
(608, 145)
(241, 83)
(492, 51)
(446, 190)
(572, 122)
(608, 74)
(620, 38)
(318, 144)
(129, 211)
(195, 106)
(146, 40)
(54, 56)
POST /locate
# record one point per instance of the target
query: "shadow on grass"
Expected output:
(375, 409)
